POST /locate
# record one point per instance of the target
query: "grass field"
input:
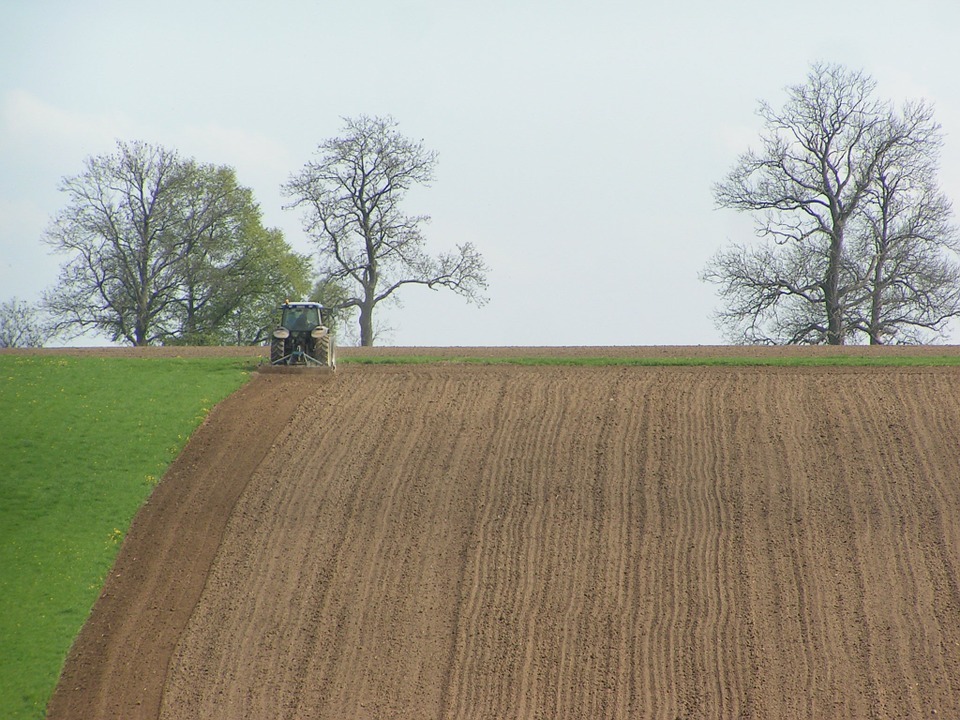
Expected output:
(116, 424)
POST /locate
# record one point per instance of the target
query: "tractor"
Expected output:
(302, 339)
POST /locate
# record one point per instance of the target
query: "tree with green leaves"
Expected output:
(351, 196)
(856, 240)
(164, 249)
(239, 299)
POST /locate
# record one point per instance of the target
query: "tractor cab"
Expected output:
(300, 317)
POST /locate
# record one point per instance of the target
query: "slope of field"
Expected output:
(449, 541)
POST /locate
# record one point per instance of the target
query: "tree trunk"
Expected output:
(876, 301)
(366, 324)
(370, 278)
(879, 268)
(831, 294)
(141, 324)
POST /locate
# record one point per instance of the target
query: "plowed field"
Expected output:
(465, 541)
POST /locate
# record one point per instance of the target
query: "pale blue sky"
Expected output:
(578, 141)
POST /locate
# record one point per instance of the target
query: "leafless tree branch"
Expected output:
(844, 191)
(351, 197)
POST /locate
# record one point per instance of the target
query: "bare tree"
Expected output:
(125, 260)
(772, 295)
(907, 245)
(22, 325)
(809, 187)
(351, 196)
(162, 249)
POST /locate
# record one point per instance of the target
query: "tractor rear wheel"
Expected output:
(276, 351)
(321, 348)
(324, 351)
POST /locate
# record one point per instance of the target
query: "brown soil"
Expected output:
(447, 541)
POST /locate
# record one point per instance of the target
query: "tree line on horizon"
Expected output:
(856, 241)
(167, 250)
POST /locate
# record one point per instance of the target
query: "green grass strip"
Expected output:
(716, 361)
(83, 441)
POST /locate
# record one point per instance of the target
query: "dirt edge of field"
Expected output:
(141, 609)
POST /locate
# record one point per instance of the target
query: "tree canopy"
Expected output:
(167, 250)
(856, 239)
(368, 246)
